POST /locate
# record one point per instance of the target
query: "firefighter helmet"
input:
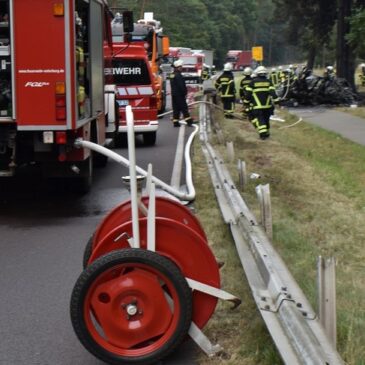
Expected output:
(227, 67)
(261, 70)
(178, 63)
(247, 71)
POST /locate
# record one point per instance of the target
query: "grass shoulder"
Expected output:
(318, 201)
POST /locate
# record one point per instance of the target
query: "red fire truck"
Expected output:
(147, 33)
(134, 82)
(52, 76)
(192, 67)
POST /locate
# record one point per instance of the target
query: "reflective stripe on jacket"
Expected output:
(225, 85)
(245, 81)
(261, 93)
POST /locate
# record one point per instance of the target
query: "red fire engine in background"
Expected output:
(147, 32)
(52, 68)
(134, 83)
(192, 67)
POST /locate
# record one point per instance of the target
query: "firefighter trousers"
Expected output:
(261, 121)
(228, 106)
(179, 106)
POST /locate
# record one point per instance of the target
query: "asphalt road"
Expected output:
(43, 232)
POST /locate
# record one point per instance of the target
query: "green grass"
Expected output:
(317, 181)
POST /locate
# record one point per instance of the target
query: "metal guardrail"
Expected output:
(290, 319)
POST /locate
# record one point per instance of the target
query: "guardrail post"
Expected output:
(326, 283)
(230, 151)
(242, 174)
(220, 136)
(263, 194)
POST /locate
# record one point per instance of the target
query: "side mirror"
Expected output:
(128, 24)
(165, 46)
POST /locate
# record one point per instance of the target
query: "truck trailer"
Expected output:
(239, 59)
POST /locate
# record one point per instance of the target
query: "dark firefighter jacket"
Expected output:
(225, 85)
(245, 81)
(260, 93)
(178, 87)
(205, 74)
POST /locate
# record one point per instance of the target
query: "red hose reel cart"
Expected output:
(150, 279)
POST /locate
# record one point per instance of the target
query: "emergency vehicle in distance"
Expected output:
(148, 33)
(192, 67)
(239, 59)
(52, 66)
(132, 75)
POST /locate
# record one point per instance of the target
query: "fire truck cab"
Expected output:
(133, 78)
(148, 34)
(52, 86)
(192, 67)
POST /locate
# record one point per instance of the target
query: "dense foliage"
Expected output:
(317, 32)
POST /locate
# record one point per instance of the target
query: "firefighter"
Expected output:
(178, 95)
(226, 89)
(274, 77)
(205, 72)
(362, 74)
(245, 81)
(261, 94)
(329, 73)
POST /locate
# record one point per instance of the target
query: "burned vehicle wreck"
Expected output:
(310, 89)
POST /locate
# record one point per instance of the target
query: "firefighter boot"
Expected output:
(190, 121)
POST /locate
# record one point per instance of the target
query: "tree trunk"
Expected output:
(345, 64)
(311, 56)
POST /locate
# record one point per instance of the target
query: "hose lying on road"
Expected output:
(188, 196)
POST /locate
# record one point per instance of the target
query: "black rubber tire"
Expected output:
(108, 261)
(121, 140)
(117, 122)
(87, 252)
(100, 160)
(149, 139)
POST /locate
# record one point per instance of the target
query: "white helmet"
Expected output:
(227, 67)
(247, 71)
(280, 68)
(178, 63)
(261, 70)
(273, 69)
(291, 66)
(329, 68)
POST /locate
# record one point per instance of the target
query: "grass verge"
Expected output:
(318, 200)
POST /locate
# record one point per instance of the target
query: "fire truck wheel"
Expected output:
(117, 122)
(99, 160)
(131, 306)
(87, 252)
(149, 139)
(121, 140)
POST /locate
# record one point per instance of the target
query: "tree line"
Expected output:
(314, 32)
